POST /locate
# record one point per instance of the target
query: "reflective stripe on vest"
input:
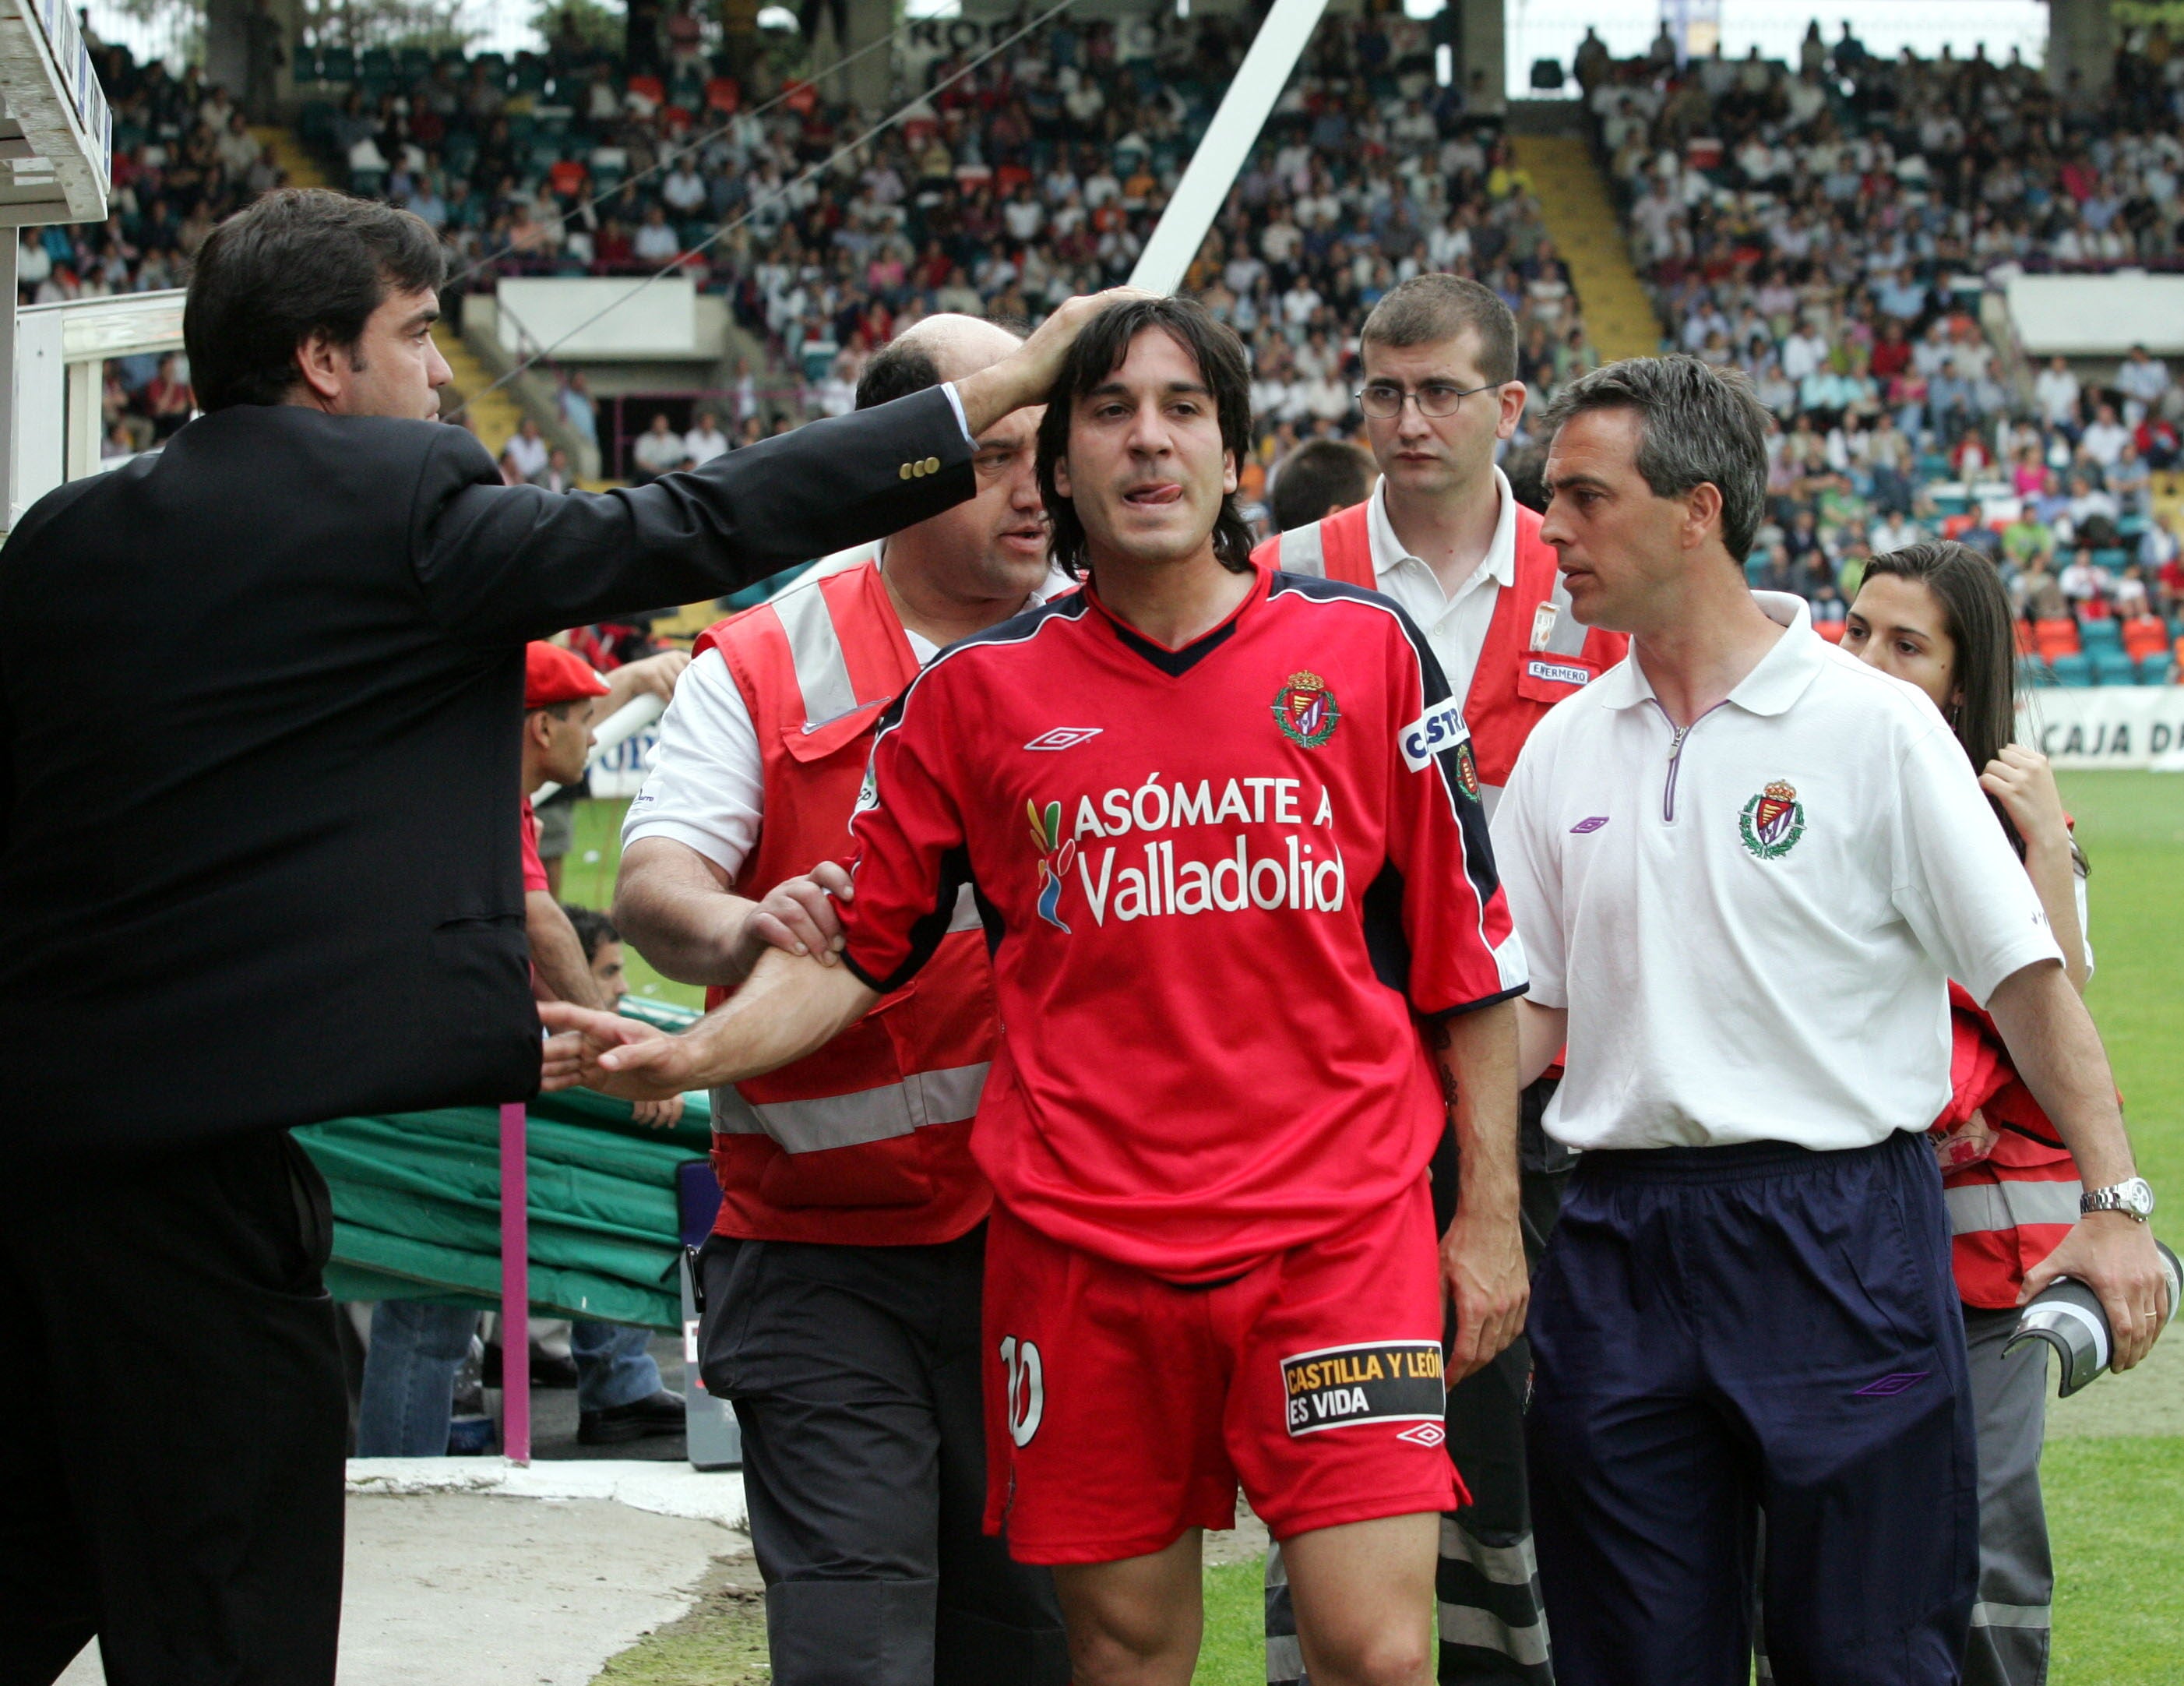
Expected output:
(945, 1096)
(822, 670)
(1299, 551)
(1977, 1207)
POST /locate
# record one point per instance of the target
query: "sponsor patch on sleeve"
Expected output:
(1373, 1381)
(1559, 673)
(1439, 728)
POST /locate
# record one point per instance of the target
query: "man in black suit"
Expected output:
(258, 764)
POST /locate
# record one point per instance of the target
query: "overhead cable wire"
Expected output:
(780, 193)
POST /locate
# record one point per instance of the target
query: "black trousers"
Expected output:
(174, 1421)
(854, 1373)
(1724, 1331)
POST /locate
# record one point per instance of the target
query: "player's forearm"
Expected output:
(2054, 875)
(789, 1006)
(556, 954)
(1477, 1056)
(1541, 1031)
(2057, 1053)
(675, 914)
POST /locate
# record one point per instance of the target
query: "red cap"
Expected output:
(552, 674)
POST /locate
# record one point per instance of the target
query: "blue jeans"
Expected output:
(614, 1364)
(410, 1374)
(409, 1378)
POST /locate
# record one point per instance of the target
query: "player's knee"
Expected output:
(1385, 1656)
(1101, 1654)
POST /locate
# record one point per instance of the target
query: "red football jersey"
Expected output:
(1218, 882)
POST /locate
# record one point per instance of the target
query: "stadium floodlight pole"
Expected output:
(1212, 170)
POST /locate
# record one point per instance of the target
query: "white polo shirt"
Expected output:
(1752, 922)
(1455, 625)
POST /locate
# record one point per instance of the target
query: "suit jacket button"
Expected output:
(933, 464)
(904, 472)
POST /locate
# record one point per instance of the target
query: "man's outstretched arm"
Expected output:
(791, 1006)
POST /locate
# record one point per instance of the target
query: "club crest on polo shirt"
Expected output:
(1056, 853)
(1373, 1381)
(1773, 821)
(1306, 711)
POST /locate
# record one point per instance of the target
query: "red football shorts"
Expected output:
(1122, 1410)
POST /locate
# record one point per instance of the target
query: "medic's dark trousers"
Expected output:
(854, 1374)
(1717, 1331)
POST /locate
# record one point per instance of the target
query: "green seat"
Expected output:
(2154, 670)
(2100, 634)
(2111, 667)
(2072, 670)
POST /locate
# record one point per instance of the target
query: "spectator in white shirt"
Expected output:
(658, 450)
(656, 242)
(2141, 380)
(1803, 353)
(684, 189)
(1892, 531)
(527, 450)
(2105, 440)
(2055, 393)
(705, 441)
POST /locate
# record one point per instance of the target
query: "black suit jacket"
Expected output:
(259, 701)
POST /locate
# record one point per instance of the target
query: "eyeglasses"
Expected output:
(1435, 398)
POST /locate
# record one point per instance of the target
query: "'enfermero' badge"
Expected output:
(1773, 821)
(1306, 711)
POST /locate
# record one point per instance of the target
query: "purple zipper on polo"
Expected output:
(1675, 760)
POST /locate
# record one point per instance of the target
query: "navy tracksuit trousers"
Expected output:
(1721, 1331)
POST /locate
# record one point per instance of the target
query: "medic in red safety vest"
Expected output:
(1444, 535)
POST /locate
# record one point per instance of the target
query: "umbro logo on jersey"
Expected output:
(1585, 828)
(1064, 737)
(1425, 1434)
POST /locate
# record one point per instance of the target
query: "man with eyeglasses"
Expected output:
(1443, 536)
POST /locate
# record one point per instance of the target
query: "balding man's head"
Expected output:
(941, 347)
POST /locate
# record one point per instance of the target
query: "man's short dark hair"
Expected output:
(1429, 308)
(1696, 425)
(593, 928)
(1100, 348)
(300, 261)
(898, 369)
(1316, 478)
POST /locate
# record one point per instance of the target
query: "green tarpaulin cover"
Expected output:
(416, 1199)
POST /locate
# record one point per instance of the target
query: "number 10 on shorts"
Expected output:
(1026, 1397)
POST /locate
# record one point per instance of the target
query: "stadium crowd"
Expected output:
(1832, 229)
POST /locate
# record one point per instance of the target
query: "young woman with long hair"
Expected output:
(1937, 616)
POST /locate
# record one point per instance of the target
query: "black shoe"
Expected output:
(547, 1370)
(661, 1414)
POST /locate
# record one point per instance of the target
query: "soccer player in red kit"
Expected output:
(1223, 831)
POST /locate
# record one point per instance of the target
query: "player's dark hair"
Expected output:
(1976, 613)
(1100, 348)
(593, 928)
(1429, 308)
(1697, 425)
(1316, 479)
(1526, 471)
(297, 262)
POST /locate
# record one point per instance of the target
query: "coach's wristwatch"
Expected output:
(2133, 1198)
